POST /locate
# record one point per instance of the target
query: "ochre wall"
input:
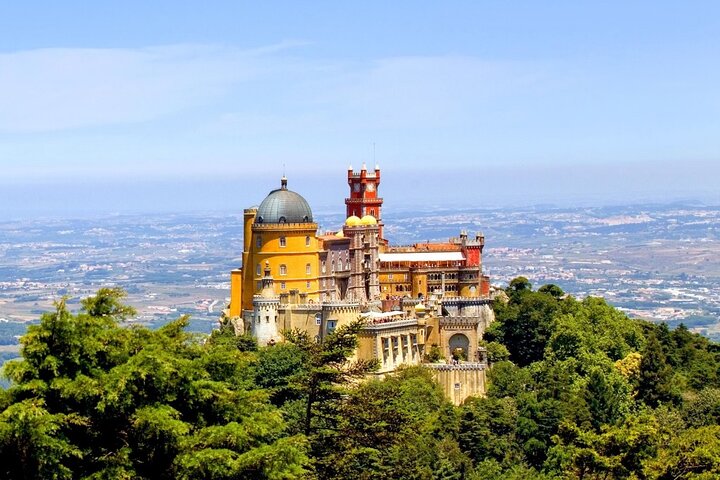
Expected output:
(236, 293)
(295, 255)
(460, 383)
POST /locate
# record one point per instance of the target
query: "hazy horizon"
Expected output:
(159, 106)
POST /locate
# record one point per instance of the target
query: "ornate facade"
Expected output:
(420, 300)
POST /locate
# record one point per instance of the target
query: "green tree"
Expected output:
(655, 383)
(552, 290)
(398, 427)
(91, 399)
(693, 453)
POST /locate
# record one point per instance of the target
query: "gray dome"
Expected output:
(283, 206)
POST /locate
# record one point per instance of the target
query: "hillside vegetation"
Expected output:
(576, 390)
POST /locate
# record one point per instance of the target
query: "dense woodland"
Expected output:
(576, 390)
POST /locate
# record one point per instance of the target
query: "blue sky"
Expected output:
(140, 106)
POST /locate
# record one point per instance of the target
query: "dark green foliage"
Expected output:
(93, 400)
(399, 427)
(576, 390)
(655, 384)
(496, 351)
(552, 290)
(524, 325)
(582, 409)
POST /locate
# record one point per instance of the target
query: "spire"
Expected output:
(350, 167)
(364, 167)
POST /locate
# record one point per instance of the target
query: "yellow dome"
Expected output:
(419, 307)
(340, 234)
(352, 221)
(368, 220)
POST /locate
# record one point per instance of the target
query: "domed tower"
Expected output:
(280, 235)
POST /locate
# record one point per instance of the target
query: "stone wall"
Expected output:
(460, 381)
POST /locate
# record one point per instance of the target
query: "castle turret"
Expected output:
(265, 311)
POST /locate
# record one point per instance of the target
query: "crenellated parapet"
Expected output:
(460, 322)
(467, 366)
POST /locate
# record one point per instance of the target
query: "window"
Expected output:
(258, 241)
(283, 269)
(307, 284)
(283, 243)
(259, 285)
(390, 276)
(282, 285)
(258, 270)
(331, 325)
(307, 241)
(318, 319)
(308, 269)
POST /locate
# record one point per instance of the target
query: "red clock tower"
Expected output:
(364, 198)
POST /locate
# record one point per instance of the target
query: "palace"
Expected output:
(413, 299)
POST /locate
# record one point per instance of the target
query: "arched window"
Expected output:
(283, 269)
(258, 241)
(283, 242)
(307, 241)
(258, 270)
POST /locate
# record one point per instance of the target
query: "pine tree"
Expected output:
(655, 385)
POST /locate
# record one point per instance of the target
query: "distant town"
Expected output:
(655, 262)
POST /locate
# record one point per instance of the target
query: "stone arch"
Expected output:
(459, 346)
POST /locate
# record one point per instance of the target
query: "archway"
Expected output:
(459, 346)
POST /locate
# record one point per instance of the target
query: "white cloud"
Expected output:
(55, 89)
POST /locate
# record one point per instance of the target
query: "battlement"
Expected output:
(460, 321)
(457, 366)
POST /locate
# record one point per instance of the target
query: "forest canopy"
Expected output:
(576, 390)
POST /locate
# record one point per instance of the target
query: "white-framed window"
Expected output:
(259, 285)
(258, 270)
(282, 285)
(307, 241)
(283, 269)
(283, 242)
(323, 266)
(308, 269)
(318, 319)
(258, 241)
(307, 284)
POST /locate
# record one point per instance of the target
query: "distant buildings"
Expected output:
(413, 299)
